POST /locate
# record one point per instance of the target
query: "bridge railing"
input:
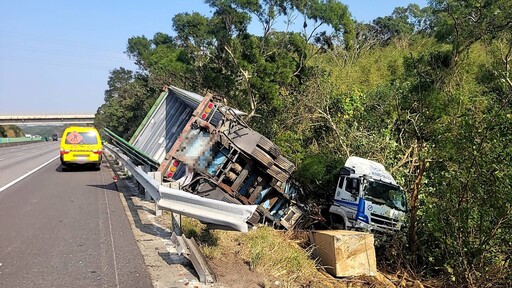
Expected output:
(46, 119)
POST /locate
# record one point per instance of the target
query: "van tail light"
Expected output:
(62, 151)
(99, 152)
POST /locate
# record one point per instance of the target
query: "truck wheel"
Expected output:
(255, 218)
(337, 223)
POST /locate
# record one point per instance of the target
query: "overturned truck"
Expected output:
(205, 148)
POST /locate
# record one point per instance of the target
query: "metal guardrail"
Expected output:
(206, 210)
(183, 203)
(19, 139)
(8, 142)
(133, 152)
(150, 184)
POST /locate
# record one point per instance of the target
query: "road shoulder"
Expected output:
(165, 266)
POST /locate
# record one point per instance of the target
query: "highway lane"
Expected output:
(16, 161)
(67, 229)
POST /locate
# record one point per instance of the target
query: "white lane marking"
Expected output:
(27, 174)
(111, 233)
(2, 159)
(19, 154)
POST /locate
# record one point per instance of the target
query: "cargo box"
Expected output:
(345, 253)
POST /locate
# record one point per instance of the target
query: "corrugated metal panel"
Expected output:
(190, 98)
(167, 121)
(163, 127)
(193, 100)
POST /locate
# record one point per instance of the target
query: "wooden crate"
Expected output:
(345, 253)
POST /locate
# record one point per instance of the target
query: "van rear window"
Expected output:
(81, 138)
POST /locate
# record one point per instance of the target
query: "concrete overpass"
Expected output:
(47, 119)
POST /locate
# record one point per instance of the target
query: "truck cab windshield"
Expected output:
(383, 193)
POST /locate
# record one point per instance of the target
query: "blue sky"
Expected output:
(56, 55)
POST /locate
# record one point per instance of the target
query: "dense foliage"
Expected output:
(43, 130)
(426, 91)
(11, 131)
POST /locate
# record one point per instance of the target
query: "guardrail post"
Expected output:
(134, 182)
(176, 223)
(158, 177)
(141, 188)
(147, 196)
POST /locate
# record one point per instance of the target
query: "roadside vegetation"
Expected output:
(11, 131)
(426, 91)
(277, 255)
(20, 131)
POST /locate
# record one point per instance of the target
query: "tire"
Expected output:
(337, 223)
(255, 218)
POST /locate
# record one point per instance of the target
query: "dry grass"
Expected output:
(277, 255)
(273, 252)
(267, 251)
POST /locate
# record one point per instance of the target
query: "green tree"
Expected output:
(127, 102)
(436, 111)
(463, 23)
(404, 21)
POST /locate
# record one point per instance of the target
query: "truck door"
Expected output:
(347, 193)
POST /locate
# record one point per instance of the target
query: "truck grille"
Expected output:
(384, 221)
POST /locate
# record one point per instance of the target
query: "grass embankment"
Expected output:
(272, 253)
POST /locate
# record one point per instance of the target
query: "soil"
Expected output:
(233, 272)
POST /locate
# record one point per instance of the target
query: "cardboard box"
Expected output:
(345, 253)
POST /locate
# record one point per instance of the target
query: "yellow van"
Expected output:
(81, 145)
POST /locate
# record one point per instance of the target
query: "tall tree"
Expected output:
(463, 23)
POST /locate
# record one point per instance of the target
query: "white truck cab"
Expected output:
(367, 198)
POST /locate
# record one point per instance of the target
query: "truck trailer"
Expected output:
(204, 147)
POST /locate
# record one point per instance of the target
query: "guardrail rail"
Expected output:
(221, 214)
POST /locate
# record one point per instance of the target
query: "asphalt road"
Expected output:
(16, 161)
(63, 229)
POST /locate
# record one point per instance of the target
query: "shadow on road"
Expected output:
(77, 168)
(110, 186)
(129, 190)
